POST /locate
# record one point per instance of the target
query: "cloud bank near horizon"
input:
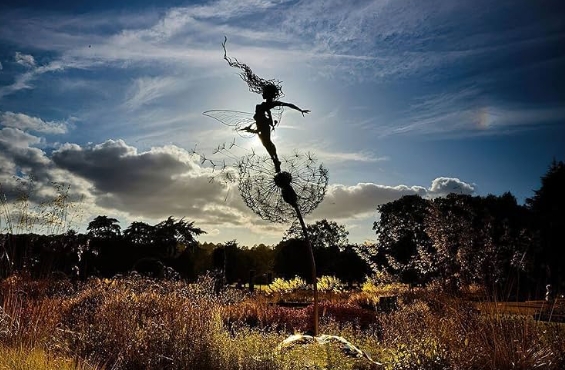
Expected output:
(115, 178)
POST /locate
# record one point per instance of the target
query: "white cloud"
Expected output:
(20, 159)
(114, 178)
(163, 181)
(23, 81)
(25, 60)
(15, 137)
(361, 200)
(342, 202)
(337, 156)
(24, 122)
(374, 38)
(356, 206)
(327, 38)
(168, 180)
(145, 90)
(442, 186)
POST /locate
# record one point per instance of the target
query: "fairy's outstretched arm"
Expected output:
(290, 105)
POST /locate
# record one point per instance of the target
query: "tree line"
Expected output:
(510, 249)
(170, 248)
(455, 241)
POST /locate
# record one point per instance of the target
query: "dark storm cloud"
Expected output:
(157, 183)
(113, 165)
(18, 155)
(24, 167)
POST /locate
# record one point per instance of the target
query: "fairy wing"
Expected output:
(238, 119)
(233, 118)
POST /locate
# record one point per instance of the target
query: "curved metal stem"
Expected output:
(312, 270)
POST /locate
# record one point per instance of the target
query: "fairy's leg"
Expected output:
(273, 153)
(271, 149)
(276, 161)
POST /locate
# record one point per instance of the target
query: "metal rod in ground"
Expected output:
(312, 269)
(283, 180)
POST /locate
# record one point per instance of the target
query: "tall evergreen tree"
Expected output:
(104, 227)
(548, 211)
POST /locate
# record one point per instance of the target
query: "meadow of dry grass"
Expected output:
(139, 323)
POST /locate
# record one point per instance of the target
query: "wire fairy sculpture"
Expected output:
(273, 194)
(262, 121)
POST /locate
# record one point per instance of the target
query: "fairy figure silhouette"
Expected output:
(264, 121)
(271, 91)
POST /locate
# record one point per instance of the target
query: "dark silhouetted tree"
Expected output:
(323, 234)
(328, 238)
(349, 266)
(259, 258)
(548, 210)
(292, 259)
(505, 260)
(449, 224)
(140, 233)
(226, 258)
(105, 243)
(457, 240)
(476, 240)
(172, 236)
(104, 227)
(401, 237)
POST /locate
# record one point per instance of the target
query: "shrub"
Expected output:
(329, 284)
(279, 286)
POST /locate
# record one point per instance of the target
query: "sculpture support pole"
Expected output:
(283, 180)
(312, 269)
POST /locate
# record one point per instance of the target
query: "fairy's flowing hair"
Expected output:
(256, 84)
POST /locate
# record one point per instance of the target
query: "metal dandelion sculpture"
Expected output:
(281, 196)
(278, 196)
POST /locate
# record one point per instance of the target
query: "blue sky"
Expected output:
(407, 97)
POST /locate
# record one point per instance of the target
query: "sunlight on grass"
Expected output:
(140, 323)
(36, 359)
